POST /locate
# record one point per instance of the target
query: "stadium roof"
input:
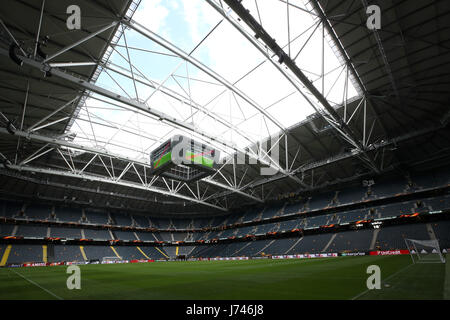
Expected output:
(340, 102)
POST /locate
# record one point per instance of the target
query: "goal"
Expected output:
(424, 251)
(110, 259)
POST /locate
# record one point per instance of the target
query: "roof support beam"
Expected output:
(90, 36)
(17, 175)
(72, 64)
(31, 128)
(60, 142)
(373, 148)
(360, 87)
(180, 53)
(384, 57)
(175, 95)
(109, 181)
(148, 110)
(12, 37)
(187, 57)
(329, 114)
(39, 28)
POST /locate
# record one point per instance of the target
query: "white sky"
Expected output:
(228, 53)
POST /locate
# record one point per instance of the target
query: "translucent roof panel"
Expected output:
(234, 92)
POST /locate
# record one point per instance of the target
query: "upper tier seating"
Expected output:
(124, 235)
(180, 224)
(97, 234)
(351, 216)
(351, 195)
(202, 223)
(289, 225)
(74, 233)
(96, 217)
(158, 236)
(32, 231)
(145, 236)
(270, 212)
(68, 214)
(219, 221)
(6, 230)
(294, 208)
(264, 228)
(121, 219)
(10, 209)
(225, 234)
(389, 188)
(241, 232)
(160, 223)
(179, 236)
(320, 201)
(233, 219)
(433, 179)
(438, 203)
(38, 212)
(142, 221)
(252, 214)
(316, 221)
(396, 209)
(165, 236)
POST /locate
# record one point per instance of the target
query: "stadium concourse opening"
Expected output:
(231, 150)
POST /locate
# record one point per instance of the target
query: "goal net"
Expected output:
(425, 251)
(110, 259)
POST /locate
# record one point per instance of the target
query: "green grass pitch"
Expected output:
(324, 278)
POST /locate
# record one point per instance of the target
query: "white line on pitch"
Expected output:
(32, 282)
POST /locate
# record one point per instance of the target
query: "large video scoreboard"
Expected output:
(182, 158)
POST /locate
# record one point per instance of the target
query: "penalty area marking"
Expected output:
(391, 276)
(37, 285)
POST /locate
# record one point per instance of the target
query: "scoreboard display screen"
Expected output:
(200, 154)
(161, 155)
(183, 159)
